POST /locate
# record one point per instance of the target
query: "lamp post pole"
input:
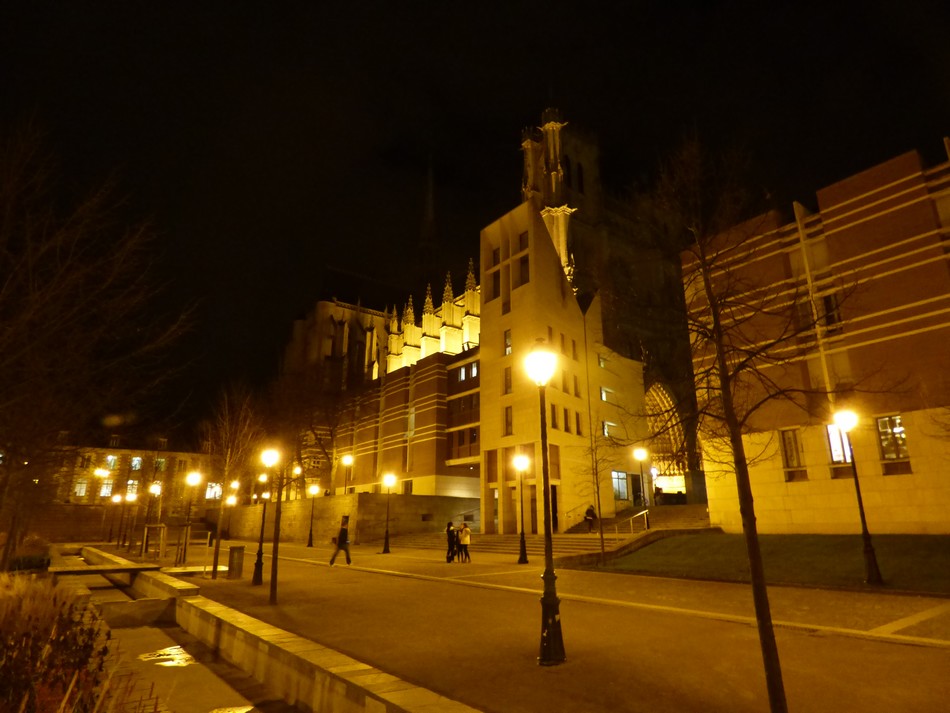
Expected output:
(258, 576)
(640, 454)
(389, 480)
(116, 499)
(521, 465)
(347, 461)
(846, 421)
(313, 489)
(541, 365)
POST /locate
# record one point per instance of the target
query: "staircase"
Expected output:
(617, 531)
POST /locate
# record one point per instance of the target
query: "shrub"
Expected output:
(53, 648)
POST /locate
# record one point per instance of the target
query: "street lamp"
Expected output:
(258, 577)
(846, 420)
(521, 463)
(191, 480)
(389, 480)
(154, 491)
(313, 490)
(116, 499)
(347, 460)
(640, 455)
(130, 524)
(230, 502)
(540, 365)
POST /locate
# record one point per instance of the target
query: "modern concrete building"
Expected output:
(869, 274)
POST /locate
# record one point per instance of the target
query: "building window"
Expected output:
(473, 367)
(496, 256)
(601, 361)
(114, 441)
(565, 385)
(160, 465)
(509, 424)
(507, 379)
(574, 349)
(79, 489)
(603, 393)
(460, 373)
(619, 479)
(792, 456)
(563, 344)
(553, 416)
(830, 313)
(213, 491)
(112, 462)
(473, 436)
(550, 335)
(524, 270)
(132, 487)
(407, 487)
(105, 489)
(840, 445)
(577, 386)
(607, 425)
(507, 342)
(567, 421)
(577, 423)
(163, 444)
(523, 241)
(136, 462)
(893, 441)
(495, 285)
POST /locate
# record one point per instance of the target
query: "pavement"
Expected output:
(471, 632)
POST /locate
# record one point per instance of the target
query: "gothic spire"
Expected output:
(470, 282)
(428, 307)
(447, 295)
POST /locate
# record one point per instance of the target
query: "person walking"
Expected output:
(342, 541)
(465, 538)
(450, 541)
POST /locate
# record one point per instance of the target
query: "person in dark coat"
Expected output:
(451, 539)
(590, 515)
(342, 543)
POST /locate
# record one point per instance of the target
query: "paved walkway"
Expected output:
(471, 632)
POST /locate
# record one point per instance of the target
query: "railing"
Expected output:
(627, 525)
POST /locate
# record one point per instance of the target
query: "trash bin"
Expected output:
(235, 561)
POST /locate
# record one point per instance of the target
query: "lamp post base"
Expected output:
(523, 553)
(872, 571)
(386, 543)
(258, 577)
(552, 643)
(310, 539)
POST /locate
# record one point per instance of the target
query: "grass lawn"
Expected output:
(916, 563)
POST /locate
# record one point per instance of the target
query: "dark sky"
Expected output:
(267, 140)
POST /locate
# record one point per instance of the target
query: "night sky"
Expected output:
(266, 141)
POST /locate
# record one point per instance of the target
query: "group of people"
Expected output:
(458, 540)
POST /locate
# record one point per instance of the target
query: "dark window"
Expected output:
(509, 425)
(495, 284)
(580, 178)
(507, 379)
(523, 241)
(553, 416)
(577, 424)
(525, 272)
(567, 421)
(496, 256)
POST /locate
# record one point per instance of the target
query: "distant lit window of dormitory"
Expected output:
(619, 478)
(892, 444)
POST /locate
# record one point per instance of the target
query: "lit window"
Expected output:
(474, 368)
(607, 425)
(132, 487)
(213, 491)
(893, 438)
(79, 489)
(839, 444)
(461, 374)
(620, 484)
(603, 394)
(507, 341)
(792, 458)
(105, 490)
(601, 361)
(136, 462)
(159, 465)
(112, 462)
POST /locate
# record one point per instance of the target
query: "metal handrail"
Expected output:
(645, 513)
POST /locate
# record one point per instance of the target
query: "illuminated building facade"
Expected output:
(869, 273)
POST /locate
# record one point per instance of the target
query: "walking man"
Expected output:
(342, 540)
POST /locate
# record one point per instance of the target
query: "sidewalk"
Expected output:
(634, 643)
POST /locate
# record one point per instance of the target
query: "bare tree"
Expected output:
(81, 334)
(233, 433)
(744, 327)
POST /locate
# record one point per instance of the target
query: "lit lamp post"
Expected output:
(116, 499)
(846, 421)
(313, 490)
(540, 365)
(389, 480)
(191, 480)
(640, 455)
(258, 576)
(347, 461)
(130, 525)
(521, 463)
(230, 503)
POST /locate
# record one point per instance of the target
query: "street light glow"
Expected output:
(640, 454)
(347, 460)
(313, 489)
(269, 457)
(521, 462)
(231, 500)
(540, 364)
(389, 480)
(155, 489)
(846, 419)
(193, 478)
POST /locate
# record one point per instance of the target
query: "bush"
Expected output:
(52, 648)
(31, 555)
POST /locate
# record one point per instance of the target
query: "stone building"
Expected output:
(869, 274)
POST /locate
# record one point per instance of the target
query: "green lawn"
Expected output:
(916, 563)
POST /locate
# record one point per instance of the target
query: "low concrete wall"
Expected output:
(302, 672)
